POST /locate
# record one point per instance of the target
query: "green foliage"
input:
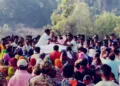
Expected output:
(71, 17)
(105, 23)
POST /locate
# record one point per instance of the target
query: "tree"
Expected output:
(71, 16)
(105, 23)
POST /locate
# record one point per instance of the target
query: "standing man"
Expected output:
(70, 42)
(44, 39)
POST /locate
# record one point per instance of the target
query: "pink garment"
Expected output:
(61, 41)
(81, 55)
(6, 57)
(20, 78)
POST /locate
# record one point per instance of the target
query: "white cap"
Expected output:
(22, 62)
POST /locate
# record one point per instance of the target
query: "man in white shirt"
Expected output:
(44, 39)
(106, 75)
(71, 42)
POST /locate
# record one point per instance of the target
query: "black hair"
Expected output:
(23, 67)
(84, 62)
(106, 70)
(112, 56)
(31, 52)
(87, 77)
(81, 49)
(68, 71)
(77, 76)
(20, 52)
(117, 51)
(69, 49)
(47, 30)
(56, 47)
(37, 49)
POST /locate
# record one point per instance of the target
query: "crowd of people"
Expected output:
(84, 62)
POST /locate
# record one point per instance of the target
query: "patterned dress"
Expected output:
(42, 80)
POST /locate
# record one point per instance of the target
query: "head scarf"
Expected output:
(13, 62)
(21, 57)
(58, 63)
(6, 57)
(11, 72)
(33, 61)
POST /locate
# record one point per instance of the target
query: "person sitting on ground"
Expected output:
(87, 80)
(55, 54)
(21, 76)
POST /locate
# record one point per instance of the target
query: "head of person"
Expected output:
(13, 62)
(42, 56)
(55, 38)
(112, 56)
(114, 45)
(69, 36)
(58, 63)
(37, 70)
(30, 52)
(87, 79)
(69, 49)
(68, 71)
(37, 50)
(19, 52)
(95, 38)
(56, 48)
(106, 72)
(83, 63)
(46, 67)
(105, 43)
(77, 76)
(87, 43)
(117, 52)
(22, 64)
(52, 72)
(21, 43)
(33, 62)
(47, 31)
(112, 36)
(106, 37)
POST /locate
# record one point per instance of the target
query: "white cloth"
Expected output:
(74, 47)
(106, 83)
(36, 56)
(43, 40)
(14, 44)
(69, 55)
(26, 47)
(92, 53)
(49, 48)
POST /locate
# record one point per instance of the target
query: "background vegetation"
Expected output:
(77, 16)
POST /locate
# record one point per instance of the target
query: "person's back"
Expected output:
(44, 38)
(21, 76)
(114, 66)
(55, 54)
(106, 77)
(106, 83)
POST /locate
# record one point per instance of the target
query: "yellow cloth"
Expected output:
(2, 51)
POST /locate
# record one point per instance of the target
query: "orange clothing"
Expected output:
(55, 55)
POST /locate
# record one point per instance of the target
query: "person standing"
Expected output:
(44, 39)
